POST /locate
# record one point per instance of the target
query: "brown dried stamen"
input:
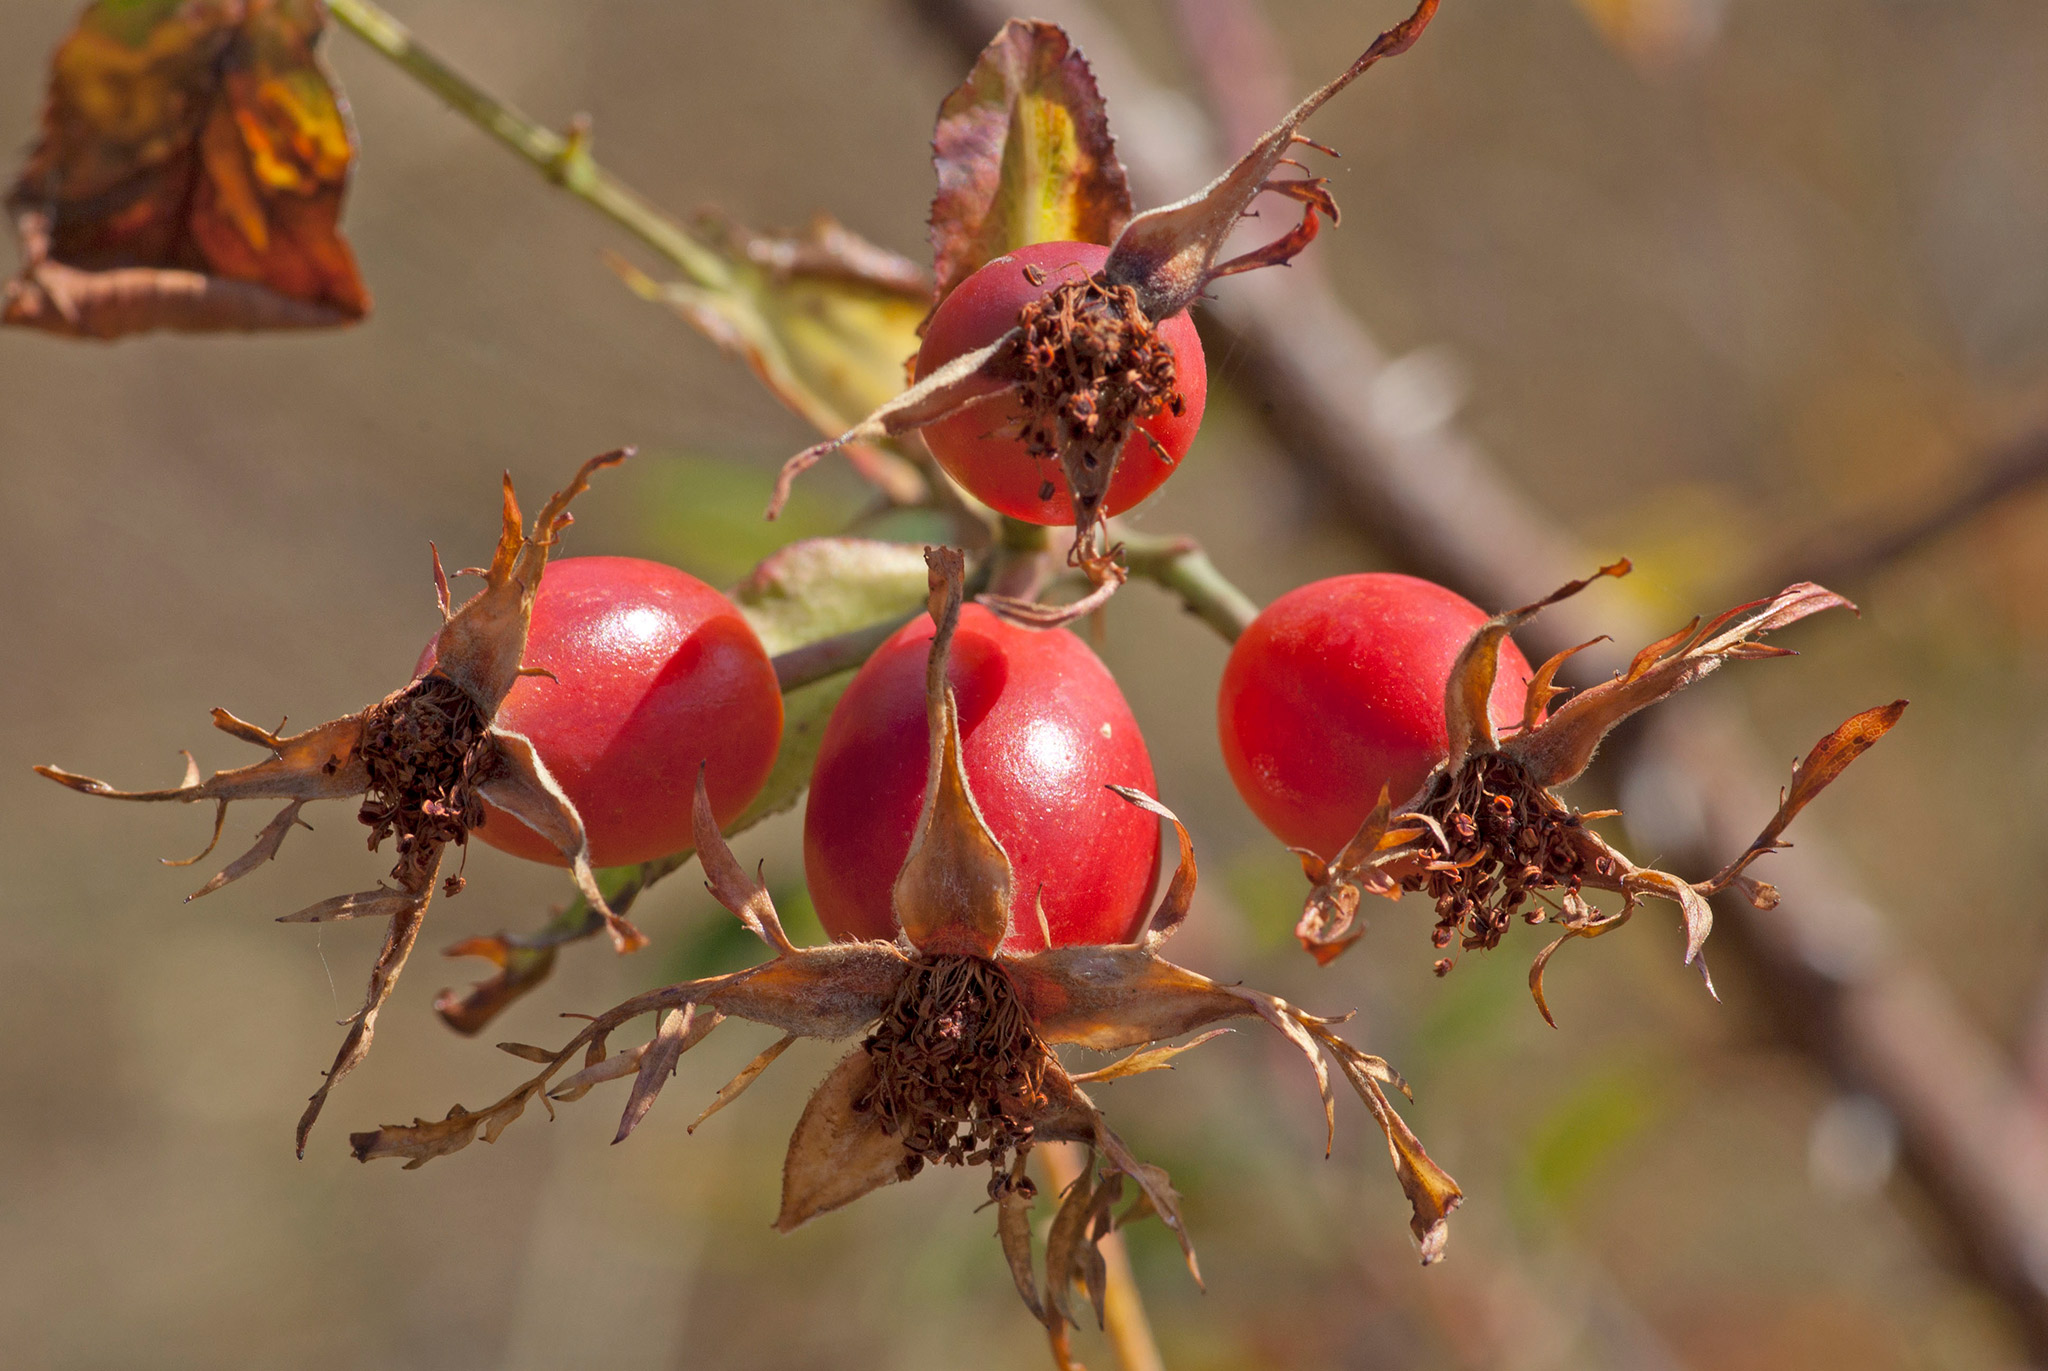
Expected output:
(1509, 839)
(959, 1070)
(427, 748)
(1094, 366)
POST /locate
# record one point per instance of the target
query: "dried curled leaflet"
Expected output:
(190, 173)
(424, 759)
(1487, 838)
(956, 1061)
(1024, 155)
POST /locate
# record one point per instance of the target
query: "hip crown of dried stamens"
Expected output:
(1486, 834)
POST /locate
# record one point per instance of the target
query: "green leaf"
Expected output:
(822, 587)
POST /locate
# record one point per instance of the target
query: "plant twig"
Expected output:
(1180, 566)
(563, 159)
(1123, 1308)
(800, 666)
(1845, 559)
(1863, 1008)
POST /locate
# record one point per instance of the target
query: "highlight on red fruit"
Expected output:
(981, 446)
(1045, 732)
(653, 673)
(1337, 689)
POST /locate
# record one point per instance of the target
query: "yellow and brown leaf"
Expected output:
(190, 173)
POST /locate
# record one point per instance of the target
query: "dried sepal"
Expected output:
(837, 1154)
(679, 1032)
(402, 930)
(189, 176)
(1180, 891)
(952, 896)
(1023, 154)
(1560, 748)
(1468, 721)
(750, 1073)
(423, 760)
(1827, 759)
(957, 1066)
(1169, 254)
(1150, 1059)
(1488, 840)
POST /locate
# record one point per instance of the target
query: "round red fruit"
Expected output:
(1337, 689)
(972, 445)
(655, 673)
(1044, 732)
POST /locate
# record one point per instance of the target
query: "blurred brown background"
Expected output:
(1707, 312)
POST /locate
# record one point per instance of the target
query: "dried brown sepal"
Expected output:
(1560, 748)
(679, 1032)
(737, 1086)
(1023, 154)
(1827, 759)
(1180, 891)
(1468, 722)
(1371, 863)
(1493, 841)
(952, 897)
(1169, 254)
(423, 760)
(956, 1066)
(1150, 1059)
(189, 176)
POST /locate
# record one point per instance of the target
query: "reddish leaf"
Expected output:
(1024, 155)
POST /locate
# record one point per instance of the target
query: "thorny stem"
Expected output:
(1123, 1308)
(564, 160)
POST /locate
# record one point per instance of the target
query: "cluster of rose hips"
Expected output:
(981, 839)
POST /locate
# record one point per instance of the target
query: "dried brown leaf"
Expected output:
(189, 175)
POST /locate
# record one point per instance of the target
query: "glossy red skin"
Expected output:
(656, 673)
(1033, 710)
(995, 469)
(1338, 688)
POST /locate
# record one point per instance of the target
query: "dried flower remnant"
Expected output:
(190, 174)
(1486, 837)
(956, 1063)
(1023, 153)
(424, 759)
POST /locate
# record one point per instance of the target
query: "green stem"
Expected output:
(1180, 565)
(564, 160)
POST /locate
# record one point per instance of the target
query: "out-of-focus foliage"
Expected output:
(190, 175)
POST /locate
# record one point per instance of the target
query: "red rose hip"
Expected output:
(1337, 689)
(978, 446)
(655, 673)
(1044, 732)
